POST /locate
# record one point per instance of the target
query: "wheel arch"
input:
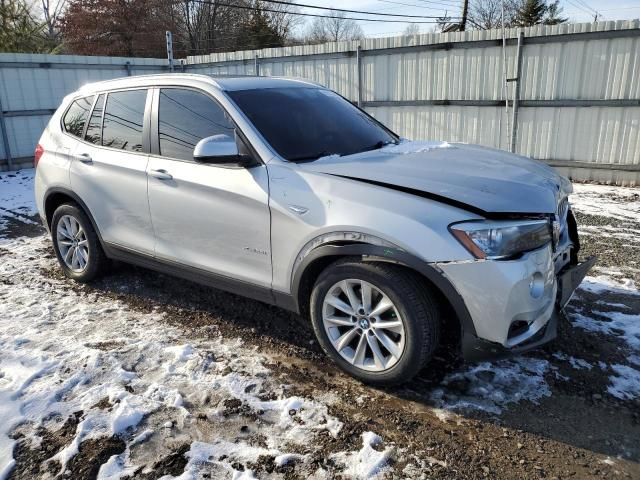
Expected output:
(317, 259)
(56, 196)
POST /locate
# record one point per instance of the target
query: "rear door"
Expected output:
(109, 170)
(206, 216)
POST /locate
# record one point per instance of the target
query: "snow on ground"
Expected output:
(490, 386)
(369, 462)
(62, 352)
(16, 196)
(616, 320)
(619, 203)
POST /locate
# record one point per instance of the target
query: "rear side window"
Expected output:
(184, 118)
(94, 130)
(76, 117)
(123, 119)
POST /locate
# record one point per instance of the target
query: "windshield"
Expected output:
(308, 123)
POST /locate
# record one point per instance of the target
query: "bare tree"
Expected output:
(283, 19)
(486, 14)
(52, 11)
(411, 30)
(325, 29)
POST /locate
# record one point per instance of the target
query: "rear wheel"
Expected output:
(76, 244)
(377, 321)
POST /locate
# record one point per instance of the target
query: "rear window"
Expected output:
(94, 130)
(123, 119)
(76, 117)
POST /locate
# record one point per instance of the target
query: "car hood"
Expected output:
(474, 177)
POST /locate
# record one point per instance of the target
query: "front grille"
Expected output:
(563, 211)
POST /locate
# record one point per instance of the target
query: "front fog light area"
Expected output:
(536, 285)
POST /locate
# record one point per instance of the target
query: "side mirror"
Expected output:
(220, 149)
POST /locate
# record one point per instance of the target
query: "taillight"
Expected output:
(37, 155)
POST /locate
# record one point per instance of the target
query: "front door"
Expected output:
(206, 216)
(109, 170)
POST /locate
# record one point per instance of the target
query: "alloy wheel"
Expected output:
(363, 325)
(72, 243)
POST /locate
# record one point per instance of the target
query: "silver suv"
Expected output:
(283, 191)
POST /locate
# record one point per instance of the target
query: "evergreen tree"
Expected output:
(554, 10)
(259, 32)
(538, 12)
(19, 31)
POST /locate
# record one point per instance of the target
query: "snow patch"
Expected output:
(491, 386)
(368, 462)
(16, 197)
(407, 146)
(605, 284)
(626, 383)
(576, 363)
(622, 325)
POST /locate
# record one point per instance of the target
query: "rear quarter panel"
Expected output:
(53, 168)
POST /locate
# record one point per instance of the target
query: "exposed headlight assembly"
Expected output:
(502, 239)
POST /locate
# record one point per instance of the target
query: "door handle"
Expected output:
(160, 174)
(85, 158)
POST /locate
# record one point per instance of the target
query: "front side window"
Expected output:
(76, 117)
(94, 130)
(123, 120)
(307, 123)
(184, 118)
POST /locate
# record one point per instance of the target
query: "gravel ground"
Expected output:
(569, 410)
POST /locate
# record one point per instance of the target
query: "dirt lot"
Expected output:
(570, 410)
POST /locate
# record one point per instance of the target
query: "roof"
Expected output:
(228, 83)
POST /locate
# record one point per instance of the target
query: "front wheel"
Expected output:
(377, 321)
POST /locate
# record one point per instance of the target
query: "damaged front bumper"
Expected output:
(515, 306)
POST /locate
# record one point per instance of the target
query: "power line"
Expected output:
(441, 5)
(579, 7)
(582, 2)
(364, 12)
(451, 3)
(262, 9)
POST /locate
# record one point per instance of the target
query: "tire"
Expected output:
(95, 262)
(412, 305)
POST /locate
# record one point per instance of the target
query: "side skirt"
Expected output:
(203, 277)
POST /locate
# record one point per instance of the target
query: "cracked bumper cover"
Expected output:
(498, 294)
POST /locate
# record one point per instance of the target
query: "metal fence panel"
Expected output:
(579, 88)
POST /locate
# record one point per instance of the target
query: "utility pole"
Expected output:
(465, 12)
(595, 16)
(170, 49)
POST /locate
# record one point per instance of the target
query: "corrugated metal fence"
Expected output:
(577, 88)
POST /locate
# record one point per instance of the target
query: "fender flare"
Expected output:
(377, 253)
(69, 193)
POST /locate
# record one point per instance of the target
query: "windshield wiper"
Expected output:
(379, 145)
(313, 156)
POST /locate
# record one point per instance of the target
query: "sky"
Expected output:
(576, 10)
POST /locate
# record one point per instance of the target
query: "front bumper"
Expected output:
(515, 305)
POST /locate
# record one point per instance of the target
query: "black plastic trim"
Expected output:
(197, 275)
(377, 253)
(475, 349)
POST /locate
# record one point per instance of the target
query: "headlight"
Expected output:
(502, 239)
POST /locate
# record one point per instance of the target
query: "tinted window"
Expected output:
(123, 118)
(185, 117)
(76, 117)
(307, 123)
(95, 122)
